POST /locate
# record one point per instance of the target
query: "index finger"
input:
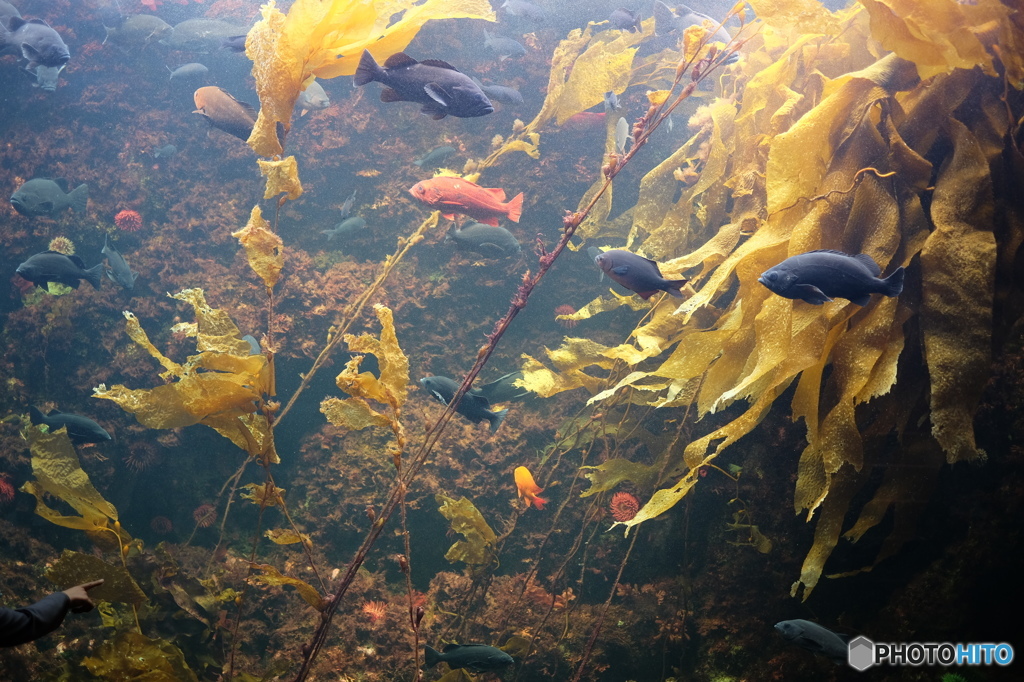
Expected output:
(89, 585)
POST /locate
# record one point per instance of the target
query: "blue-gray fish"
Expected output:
(503, 389)
(476, 658)
(118, 270)
(80, 429)
(51, 266)
(133, 34)
(346, 228)
(165, 152)
(611, 101)
(626, 20)
(814, 637)
(668, 19)
(201, 34)
(819, 276)
(638, 274)
(435, 157)
(7, 12)
(42, 196)
(487, 240)
(621, 135)
(313, 98)
(503, 94)
(441, 88)
(346, 208)
(473, 406)
(46, 76)
(34, 40)
(190, 71)
(234, 43)
(524, 9)
(504, 48)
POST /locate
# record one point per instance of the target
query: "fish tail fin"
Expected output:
(432, 656)
(368, 70)
(515, 208)
(418, 162)
(672, 287)
(539, 502)
(79, 198)
(496, 418)
(894, 283)
(34, 415)
(94, 275)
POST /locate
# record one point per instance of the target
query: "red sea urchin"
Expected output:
(205, 515)
(566, 310)
(623, 506)
(161, 525)
(128, 220)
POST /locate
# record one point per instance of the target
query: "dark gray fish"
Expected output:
(626, 20)
(473, 406)
(34, 40)
(668, 20)
(435, 157)
(234, 43)
(254, 345)
(814, 637)
(346, 208)
(223, 111)
(503, 389)
(638, 274)
(503, 94)
(493, 242)
(46, 76)
(118, 270)
(611, 102)
(80, 429)
(165, 152)
(438, 86)
(346, 228)
(313, 98)
(42, 196)
(524, 9)
(819, 276)
(201, 35)
(190, 71)
(50, 266)
(136, 32)
(504, 48)
(476, 658)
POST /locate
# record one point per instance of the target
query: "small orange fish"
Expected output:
(528, 488)
(453, 195)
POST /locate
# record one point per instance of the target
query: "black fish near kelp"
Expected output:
(816, 638)
(51, 266)
(476, 658)
(80, 429)
(819, 276)
(486, 240)
(473, 406)
(118, 270)
(636, 273)
(441, 88)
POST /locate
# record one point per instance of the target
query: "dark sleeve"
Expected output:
(18, 626)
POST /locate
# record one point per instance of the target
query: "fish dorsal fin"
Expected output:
(438, 63)
(62, 183)
(399, 59)
(497, 192)
(246, 107)
(870, 263)
(52, 413)
(452, 647)
(77, 260)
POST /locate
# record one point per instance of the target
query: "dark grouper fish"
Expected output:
(118, 270)
(814, 637)
(80, 429)
(50, 266)
(473, 406)
(637, 273)
(819, 276)
(438, 86)
(35, 41)
(476, 658)
(42, 196)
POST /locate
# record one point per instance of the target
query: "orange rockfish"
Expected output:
(528, 488)
(453, 195)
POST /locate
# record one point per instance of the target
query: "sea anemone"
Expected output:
(623, 506)
(62, 244)
(161, 525)
(6, 490)
(566, 310)
(205, 515)
(141, 457)
(375, 611)
(128, 220)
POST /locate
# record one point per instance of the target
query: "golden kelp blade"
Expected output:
(263, 248)
(282, 177)
(325, 38)
(271, 576)
(612, 472)
(263, 495)
(286, 536)
(76, 568)
(130, 655)
(58, 473)
(466, 520)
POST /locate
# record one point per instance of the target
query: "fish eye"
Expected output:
(773, 276)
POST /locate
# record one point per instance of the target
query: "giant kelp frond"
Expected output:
(324, 39)
(830, 147)
(133, 656)
(476, 549)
